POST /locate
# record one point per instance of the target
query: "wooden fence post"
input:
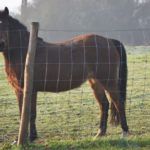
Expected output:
(28, 85)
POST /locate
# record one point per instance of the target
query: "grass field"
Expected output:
(69, 120)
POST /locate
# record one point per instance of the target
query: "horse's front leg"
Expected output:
(33, 132)
(19, 95)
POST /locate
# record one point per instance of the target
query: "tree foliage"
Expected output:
(90, 15)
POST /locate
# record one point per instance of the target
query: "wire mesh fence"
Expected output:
(74, 114)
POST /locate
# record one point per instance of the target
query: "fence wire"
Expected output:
(74, 114)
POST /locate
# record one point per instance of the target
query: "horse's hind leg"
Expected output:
(120, 107)
(99, 93)
(114, 115)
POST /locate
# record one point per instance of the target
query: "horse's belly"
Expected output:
(57, 78)
(57, 86)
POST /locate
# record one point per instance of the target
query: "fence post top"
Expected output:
(35, 23)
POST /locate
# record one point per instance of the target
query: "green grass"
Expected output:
(69, 120)
(105, 143)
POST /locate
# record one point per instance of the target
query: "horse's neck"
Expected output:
(14, 68)
(14, 57)
(18, 46)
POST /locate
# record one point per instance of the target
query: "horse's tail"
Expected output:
(122, 82)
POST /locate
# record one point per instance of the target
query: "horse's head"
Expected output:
(4, 14)
(13, 34)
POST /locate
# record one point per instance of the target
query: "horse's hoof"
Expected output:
(33, 138)
(124, 134)
(99, 134)
(14, 143)
(33, 135)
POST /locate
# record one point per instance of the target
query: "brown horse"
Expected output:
(65, 66)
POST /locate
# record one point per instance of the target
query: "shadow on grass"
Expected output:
(101, 144)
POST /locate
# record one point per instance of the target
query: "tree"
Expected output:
(23, 9)
(92, 15)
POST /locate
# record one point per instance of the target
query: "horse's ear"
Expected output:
(6, 11)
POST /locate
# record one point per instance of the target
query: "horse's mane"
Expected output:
(16, 24)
